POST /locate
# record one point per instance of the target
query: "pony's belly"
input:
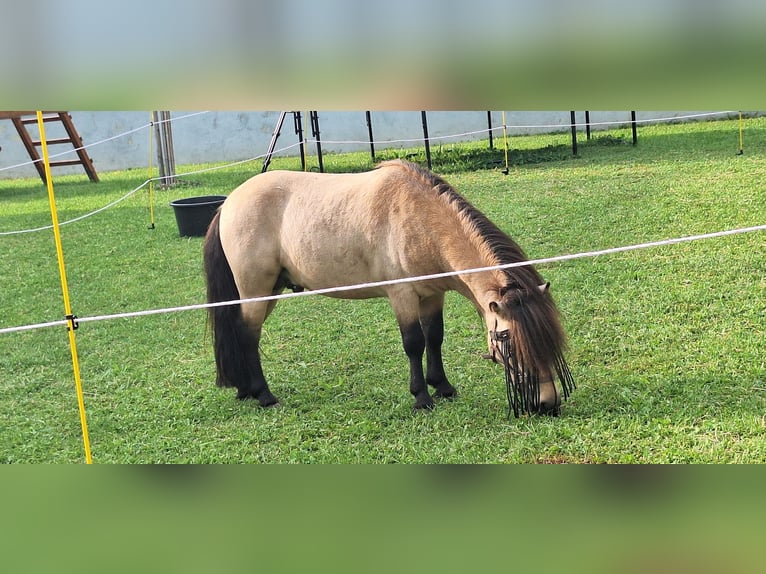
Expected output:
(321, 265)
(335, 283)
(357, 294)
(368, 279)
(372, 286)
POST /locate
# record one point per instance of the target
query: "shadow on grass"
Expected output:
(448, 160)
(455, 160)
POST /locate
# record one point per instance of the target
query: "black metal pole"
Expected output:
(299, 132)
(273, 142)
(425, 138)
(633, 127)
(315, 131)
(369, 131)
(489, 128)
(574, 132)
(587, 125)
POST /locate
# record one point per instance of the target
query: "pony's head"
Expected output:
(525, 336)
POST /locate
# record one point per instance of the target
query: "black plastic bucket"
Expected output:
(194, 214)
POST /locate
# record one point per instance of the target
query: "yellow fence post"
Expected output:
(505, 144)
(65, 289)
(741, 137)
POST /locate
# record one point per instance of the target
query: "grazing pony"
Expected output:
(285, 229)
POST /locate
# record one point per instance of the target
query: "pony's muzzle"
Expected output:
(549, 409)
(550, 400)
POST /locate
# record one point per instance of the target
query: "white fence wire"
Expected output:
(376, 284)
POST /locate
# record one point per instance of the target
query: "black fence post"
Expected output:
(574, 132)
(299, 133)
(489, 128)
(425, 138)
(315, 132)
(369, 131)
(633, 127)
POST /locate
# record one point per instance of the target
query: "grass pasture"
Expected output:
(667, 345)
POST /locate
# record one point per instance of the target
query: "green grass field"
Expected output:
(666, 344)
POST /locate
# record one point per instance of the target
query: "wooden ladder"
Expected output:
(22, 119)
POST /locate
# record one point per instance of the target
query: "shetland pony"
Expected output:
(285, 229)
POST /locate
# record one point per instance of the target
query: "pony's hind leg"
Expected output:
(253, 383)
(432, 322)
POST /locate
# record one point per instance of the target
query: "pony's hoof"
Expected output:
(446, 395)
(267, 400)
(424, 405)
(550, 411)
(264, 399)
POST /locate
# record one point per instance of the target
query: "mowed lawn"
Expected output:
(667, 345)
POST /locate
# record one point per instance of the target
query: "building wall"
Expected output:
(233, 136)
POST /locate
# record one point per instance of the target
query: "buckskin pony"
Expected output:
(285, 229)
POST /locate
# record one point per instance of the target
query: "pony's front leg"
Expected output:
(432, 322)
(405, 307)
(414, 346)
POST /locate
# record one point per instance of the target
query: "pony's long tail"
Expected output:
(225, 321)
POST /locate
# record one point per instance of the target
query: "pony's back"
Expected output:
(328, 230)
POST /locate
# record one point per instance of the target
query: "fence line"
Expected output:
(504, 126)
(622, 122)
(394, 141)
(376, 284)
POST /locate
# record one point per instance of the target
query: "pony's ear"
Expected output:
(494, 307)
(544, 287)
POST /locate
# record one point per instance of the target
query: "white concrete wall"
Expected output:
(232, 136)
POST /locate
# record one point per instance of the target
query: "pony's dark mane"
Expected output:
(503, 248)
